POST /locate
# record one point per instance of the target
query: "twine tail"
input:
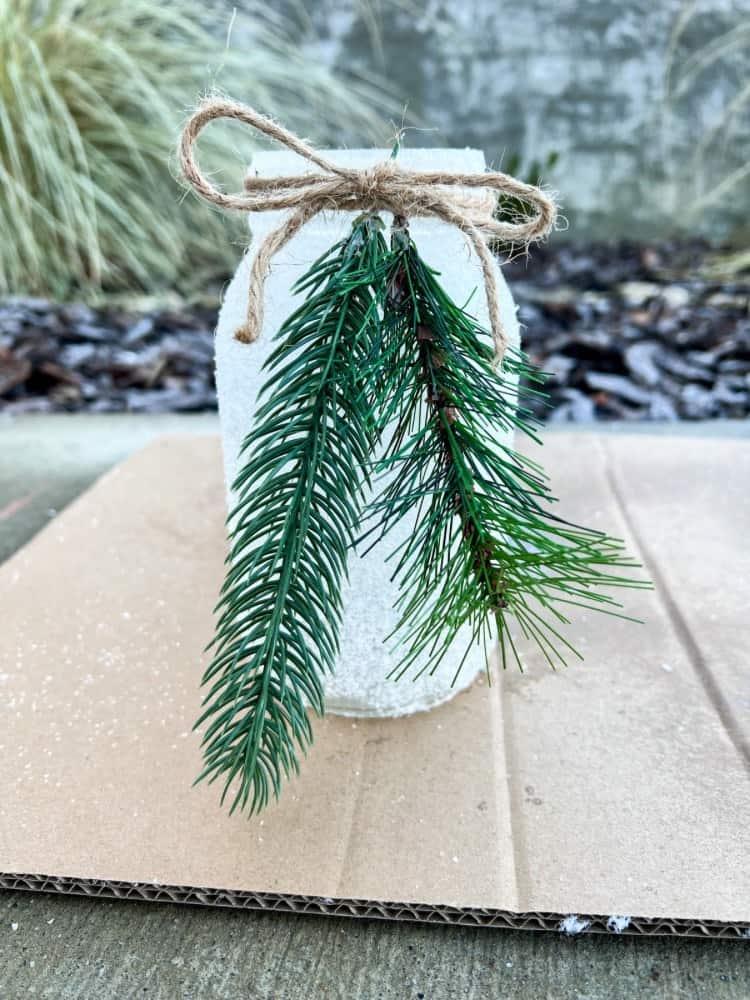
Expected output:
(500, 340)
(487, 262)
(250, 330)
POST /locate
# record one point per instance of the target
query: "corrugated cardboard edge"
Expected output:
(569, 924)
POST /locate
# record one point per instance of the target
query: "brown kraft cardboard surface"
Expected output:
(612, 795)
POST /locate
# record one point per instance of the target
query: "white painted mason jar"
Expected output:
(360, 685)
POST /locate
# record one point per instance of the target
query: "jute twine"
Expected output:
(383, 187)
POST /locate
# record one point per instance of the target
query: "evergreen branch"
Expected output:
(486, 548)
(306, 461)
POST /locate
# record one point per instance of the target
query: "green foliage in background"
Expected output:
(92, 95)
(707, 172)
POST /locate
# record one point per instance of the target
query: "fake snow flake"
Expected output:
(573, 924)
(618, 924)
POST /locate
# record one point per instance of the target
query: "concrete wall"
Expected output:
(588, 78)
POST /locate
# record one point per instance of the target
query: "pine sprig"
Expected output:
(306, 461)
(378, 344)
(486, 548)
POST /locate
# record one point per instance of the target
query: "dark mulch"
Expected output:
(625, 331)
(57, 358)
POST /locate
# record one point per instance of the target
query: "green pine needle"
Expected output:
(486, 548)
(300, 491)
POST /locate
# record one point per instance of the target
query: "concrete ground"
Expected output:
(66, 947)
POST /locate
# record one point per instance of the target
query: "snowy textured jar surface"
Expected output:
(360, 686)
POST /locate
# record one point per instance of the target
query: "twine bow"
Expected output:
(383, 187)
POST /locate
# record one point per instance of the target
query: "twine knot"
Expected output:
(386, 186)
(371, 183)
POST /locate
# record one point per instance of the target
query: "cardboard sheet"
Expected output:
(613, 795)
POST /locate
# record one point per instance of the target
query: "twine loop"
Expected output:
(386, 186)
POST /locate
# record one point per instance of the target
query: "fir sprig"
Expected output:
(300, 489)
(486, 548)
(377, 344)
